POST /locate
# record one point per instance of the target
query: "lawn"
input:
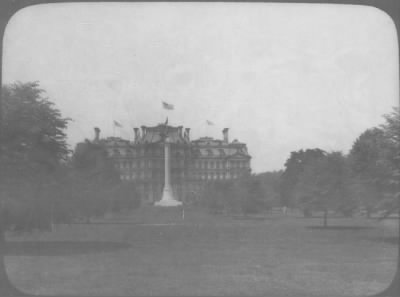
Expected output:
(207, 254)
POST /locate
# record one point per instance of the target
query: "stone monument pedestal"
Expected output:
(167, 198)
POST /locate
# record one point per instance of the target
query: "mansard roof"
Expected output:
(207, 141)
(227, 153)
(114, 141)
(208, 147)
(204, 147)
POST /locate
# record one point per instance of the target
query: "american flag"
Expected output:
(117, 124)
(167, 106)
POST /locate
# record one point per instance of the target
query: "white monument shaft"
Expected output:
(167, 198)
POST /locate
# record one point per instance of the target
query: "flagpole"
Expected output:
(167, 106)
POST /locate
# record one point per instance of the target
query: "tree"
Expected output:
(253, 200)
(391, 159)
(269, 182)
(33, 146)
(369, 169)
(125, 197)
(294, 166)
(323, 184)
(245, 195)
(218, 196)
(391, 129)
(95, 180)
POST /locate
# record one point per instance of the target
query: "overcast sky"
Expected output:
(281, 76)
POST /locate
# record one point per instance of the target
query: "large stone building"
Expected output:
(192, 162)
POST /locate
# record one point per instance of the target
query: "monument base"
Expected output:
(167, 202)
(167, 198)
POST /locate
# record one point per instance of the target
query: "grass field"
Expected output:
(207, 255)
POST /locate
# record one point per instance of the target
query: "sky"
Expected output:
(281, 77)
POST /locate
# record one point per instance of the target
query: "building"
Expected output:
(193, 163)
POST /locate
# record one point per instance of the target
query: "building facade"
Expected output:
(193, 163)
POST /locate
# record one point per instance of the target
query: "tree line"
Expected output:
(367, 178)
(41, 181)
(313, 180)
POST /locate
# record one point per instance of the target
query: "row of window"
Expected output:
(142, 152)
(215, 176)
(202, 176)
(147, 164)
(149, 175)
(199, 164)
(220, 164)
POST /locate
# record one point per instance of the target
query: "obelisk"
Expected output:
(167, 198)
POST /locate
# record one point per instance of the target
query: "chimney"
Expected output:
(143, 131)
(187, 134)
(180, 131)
(137, 134)
(96, 134)
(226, 136)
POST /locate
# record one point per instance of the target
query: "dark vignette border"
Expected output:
(9, 7)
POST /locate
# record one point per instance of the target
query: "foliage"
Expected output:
(94, 180)
(218, 196)
(33, 148)
(375, 162)
(324, 184)
(125, 197)
(270, 184)
(294, 167)
(245, 195)
(370, 172)
(391, 159)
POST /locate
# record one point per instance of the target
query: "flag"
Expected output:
(210, 123)
(167, 106)
(117, 124)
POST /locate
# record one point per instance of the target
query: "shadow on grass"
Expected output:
(321, 217)
(390, 240)
(352, 228)
(249, 218)
(60, 248)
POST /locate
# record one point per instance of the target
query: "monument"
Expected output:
(167, 198)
